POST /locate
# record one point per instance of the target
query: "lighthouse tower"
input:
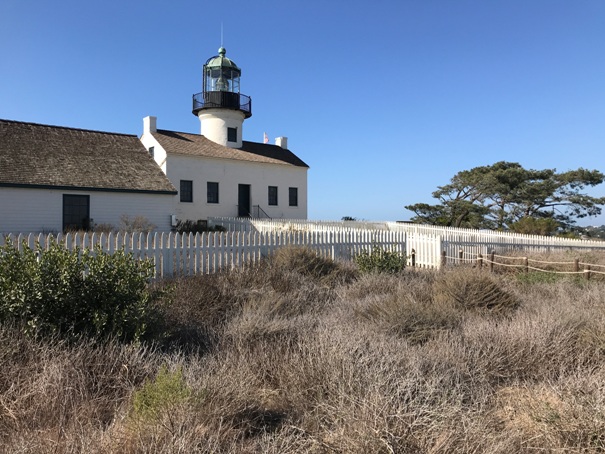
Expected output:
(220, 106)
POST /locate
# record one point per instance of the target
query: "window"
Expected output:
(272, 195)
(212, 190)
(76, 212)
(232, 134)
(186, 191)
(151, 151)
(293, 196)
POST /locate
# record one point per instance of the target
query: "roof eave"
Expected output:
(87, 188)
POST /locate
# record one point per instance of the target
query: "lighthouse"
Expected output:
(219, 174)
(220, 106)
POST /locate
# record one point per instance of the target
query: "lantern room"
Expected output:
(221, 73)
(221, 87)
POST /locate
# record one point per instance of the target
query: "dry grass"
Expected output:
(471, 289)
(298, 357)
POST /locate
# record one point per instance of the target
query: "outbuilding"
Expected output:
(55, 179)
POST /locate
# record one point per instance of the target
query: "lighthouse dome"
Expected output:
(220, 61)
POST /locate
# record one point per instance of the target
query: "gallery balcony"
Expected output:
(223, 100)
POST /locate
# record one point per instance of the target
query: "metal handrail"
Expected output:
(259, 210)
(222, 99)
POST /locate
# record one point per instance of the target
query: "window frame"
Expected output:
(231, 134)
(72, 209)
(210, 192)
(187, 191)
(272, 196)
(293, 197)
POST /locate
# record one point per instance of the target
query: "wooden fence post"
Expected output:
(443, 258)
(576, 265)
(413, 258)
(587, 272)
(492, 257)
(460, 256)
(480, 261)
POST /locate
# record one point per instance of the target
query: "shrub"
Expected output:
(136, 224)
(304, 261)
(468, 289)
(404, 316)
(167, 391)
(198, 226)
(202, 305)
(380, 260)
(104, 228)
(76, 292)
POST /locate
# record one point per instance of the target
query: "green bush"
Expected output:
(55, 290)
(380, 260)
(538, 277)
(167, 391)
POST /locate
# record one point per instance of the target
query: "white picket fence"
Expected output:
(174, 254)
(453, 240)
(248, 241)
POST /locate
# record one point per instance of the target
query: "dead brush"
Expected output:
(291, 282)
(553, 416)
(201, 305)
(307, 262)
(60, 397)
(592, 337)
(416, 321)
(273, 319)
(408, 310)
(471, 290)
(302, 363)
(372, 284)
(302, 260)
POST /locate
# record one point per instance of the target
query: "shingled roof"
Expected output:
(35, 155)
(198, 145)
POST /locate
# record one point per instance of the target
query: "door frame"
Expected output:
(243, 195)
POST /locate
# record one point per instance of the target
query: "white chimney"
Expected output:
(282, 142)
(149, 124)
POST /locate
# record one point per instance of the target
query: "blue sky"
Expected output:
(385, 100)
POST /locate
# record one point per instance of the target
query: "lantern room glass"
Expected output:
(221, 79)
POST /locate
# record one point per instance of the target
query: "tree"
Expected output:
(503, 194)
(535, 226)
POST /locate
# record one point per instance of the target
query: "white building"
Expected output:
(216, 172)
(54, 179)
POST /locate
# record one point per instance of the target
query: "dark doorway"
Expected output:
(243, 200)
(76, 212)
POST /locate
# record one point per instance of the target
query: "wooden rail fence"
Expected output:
(493, 261)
